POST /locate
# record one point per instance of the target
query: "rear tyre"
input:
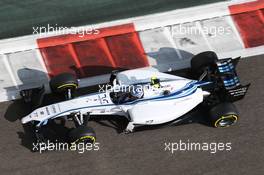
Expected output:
(201, 61)
(64, 84)
(223, 115)
(82, 134)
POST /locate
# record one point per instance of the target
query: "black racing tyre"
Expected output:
(82, 134)
(62, 82)
(223, 115)
(201, 61)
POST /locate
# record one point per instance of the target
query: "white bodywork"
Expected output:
(154, 108)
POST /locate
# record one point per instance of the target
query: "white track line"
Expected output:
(10, 70)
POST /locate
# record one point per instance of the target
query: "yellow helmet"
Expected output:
(154, 81)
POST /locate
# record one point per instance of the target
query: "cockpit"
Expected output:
(127, 94)
(140, 83)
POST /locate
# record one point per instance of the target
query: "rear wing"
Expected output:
(232, 88)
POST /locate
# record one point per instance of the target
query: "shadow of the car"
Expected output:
(16, 110)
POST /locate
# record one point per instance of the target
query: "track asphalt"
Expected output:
(144, 152)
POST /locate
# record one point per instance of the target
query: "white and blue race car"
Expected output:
(144, 97)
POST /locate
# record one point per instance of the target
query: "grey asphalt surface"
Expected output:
(143, 152)
(18, 17)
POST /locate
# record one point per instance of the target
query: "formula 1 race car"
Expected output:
(143, 96)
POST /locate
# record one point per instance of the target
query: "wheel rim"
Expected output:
(226, 121)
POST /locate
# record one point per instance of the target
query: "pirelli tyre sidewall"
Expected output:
(82, 134)
(223, 115)
(62, 82)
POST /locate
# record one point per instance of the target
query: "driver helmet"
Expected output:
(155, 82)
(137, 92)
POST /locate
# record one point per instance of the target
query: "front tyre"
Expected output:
(82, 134)
(64, 84)
(223, 115)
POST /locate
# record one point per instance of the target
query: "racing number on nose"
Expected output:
(103, 99)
